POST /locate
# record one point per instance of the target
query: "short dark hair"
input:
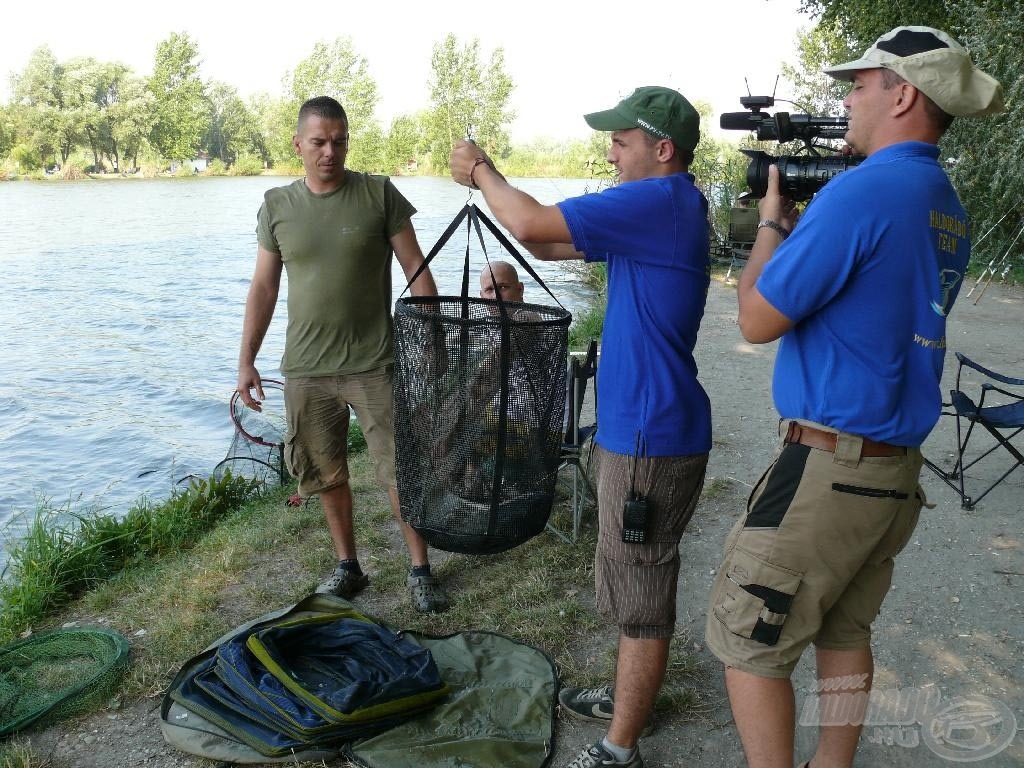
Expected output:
(939, 117)
(323, 107)
(685, 156)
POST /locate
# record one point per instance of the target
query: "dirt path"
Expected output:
(954, 620)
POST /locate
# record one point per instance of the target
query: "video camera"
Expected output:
(800, 176)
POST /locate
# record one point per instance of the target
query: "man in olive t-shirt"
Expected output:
(334, 232)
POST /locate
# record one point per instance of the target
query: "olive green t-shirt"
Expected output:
(336, 251)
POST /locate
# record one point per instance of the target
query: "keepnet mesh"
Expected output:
(480, 392)
(59, 674)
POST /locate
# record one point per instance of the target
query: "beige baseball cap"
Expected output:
(935, 64)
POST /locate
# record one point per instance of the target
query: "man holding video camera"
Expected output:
(654, 418)
(858, 292)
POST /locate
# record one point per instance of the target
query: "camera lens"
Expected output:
(800, 176)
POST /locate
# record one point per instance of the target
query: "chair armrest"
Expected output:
(986, 388)
(965, 360)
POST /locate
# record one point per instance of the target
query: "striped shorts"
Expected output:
(636, 583)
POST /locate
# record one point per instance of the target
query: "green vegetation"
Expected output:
(588, 322)
(62, 554)
(107, 118)
(173, 599)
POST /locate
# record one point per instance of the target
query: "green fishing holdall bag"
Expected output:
(314, 677)
(495, 708)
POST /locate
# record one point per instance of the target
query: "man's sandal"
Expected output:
(428, 596)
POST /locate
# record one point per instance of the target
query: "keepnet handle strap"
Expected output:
(445, 237)
(475, 214)
(507, 245)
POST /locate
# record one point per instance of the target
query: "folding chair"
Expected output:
(576, 436)
(999, 411)
(742, 233)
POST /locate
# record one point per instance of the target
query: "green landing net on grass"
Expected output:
(58, 674)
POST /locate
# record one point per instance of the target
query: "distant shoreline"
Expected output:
(111, 176)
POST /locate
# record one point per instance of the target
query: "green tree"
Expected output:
(131, 118)
(466, 100)
(401, 144)
(275, 122)
(339, 71)
(89, 88)
(234, 130)
(863, 21)
(819, 46)
(7, 129)
(985, 152)
(46, 130)
(37, 83)
(182, 114)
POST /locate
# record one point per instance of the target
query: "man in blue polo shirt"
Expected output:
(858, 292)
(654, 420)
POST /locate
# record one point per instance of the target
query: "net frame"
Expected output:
(480, 388)
(257, 454)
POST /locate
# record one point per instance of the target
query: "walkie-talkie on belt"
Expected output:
(634, 513)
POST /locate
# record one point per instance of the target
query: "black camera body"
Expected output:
(800, 175)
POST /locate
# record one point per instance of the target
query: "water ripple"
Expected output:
(122, 321)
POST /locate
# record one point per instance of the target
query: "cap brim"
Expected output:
(845, 71)
(609, 120)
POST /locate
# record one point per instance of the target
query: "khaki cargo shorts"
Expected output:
(636, 583)
(812, 559)
(316, 447)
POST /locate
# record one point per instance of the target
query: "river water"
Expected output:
(120, 320)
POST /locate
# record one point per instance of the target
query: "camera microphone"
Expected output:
(739, 121)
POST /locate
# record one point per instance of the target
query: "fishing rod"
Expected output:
(991, 264)
(1006, 267)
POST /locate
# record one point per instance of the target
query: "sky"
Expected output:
(565, 57)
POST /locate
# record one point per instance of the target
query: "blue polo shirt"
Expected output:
(868, 277)
(653, 234)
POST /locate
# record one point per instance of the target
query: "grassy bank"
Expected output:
(265, 555)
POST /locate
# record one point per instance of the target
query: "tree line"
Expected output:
(107, 117)
(117, 119)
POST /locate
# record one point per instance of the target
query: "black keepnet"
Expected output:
(480, 389)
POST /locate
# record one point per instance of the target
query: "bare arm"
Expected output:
(410, 256)
(540, 228)
(259, 310)
(759, 321)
